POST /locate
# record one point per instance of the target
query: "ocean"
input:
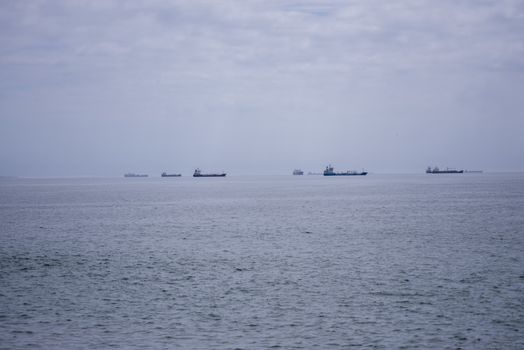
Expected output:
(292, 262)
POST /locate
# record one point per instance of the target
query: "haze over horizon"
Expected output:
(106, 87)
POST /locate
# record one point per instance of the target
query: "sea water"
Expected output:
(292, 262)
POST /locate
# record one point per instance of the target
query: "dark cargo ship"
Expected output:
(330, 172)
(436, 170)
(198, 173)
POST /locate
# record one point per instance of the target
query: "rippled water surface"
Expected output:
(382, 262)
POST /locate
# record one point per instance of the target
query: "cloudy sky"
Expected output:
(107, 87)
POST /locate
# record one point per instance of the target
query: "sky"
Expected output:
(101, 88)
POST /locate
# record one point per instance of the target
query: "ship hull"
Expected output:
(445, 172)
(172, 175)
(347, 174)
(210, 175)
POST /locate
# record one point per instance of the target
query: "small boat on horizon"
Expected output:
(298, 172)
(164, 174)
(198, 173)
(436, 170)
(330, 172)
(135, 175)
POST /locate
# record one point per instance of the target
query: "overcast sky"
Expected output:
(107, 87)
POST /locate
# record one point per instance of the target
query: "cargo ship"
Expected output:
(135, 175)
(198, 173)
(330, 172)
(436, 170)
(164, 174)
(298, 172)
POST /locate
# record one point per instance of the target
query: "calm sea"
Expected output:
(292, 262)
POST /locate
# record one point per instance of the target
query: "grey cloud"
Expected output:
(229, 83)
